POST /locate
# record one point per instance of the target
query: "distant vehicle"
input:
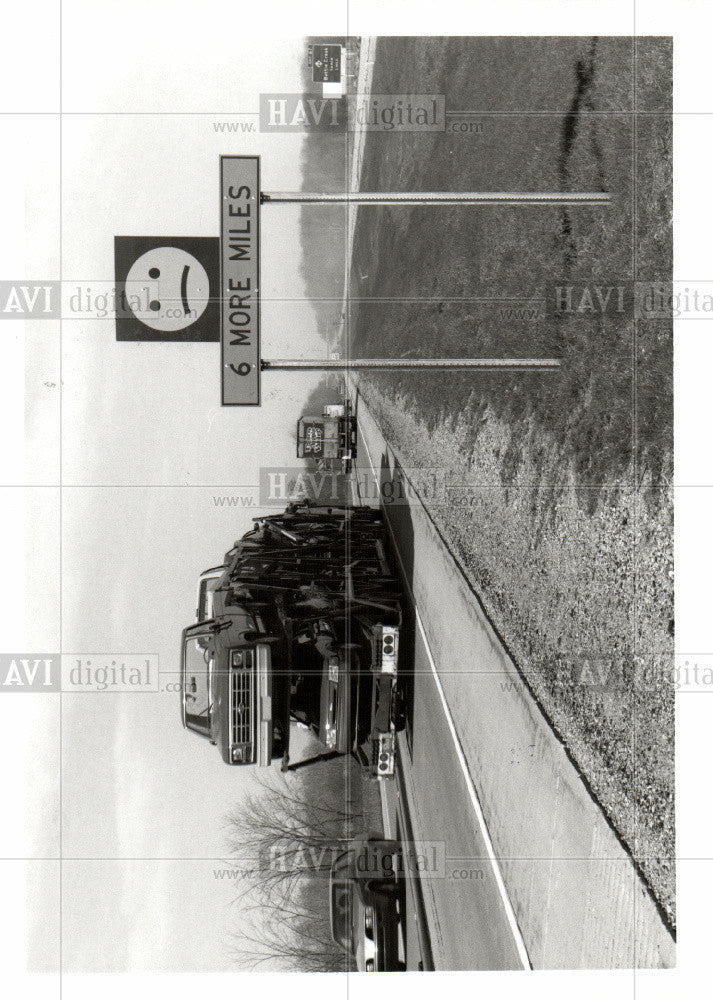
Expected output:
(365, 903)
(329, 440)
(300, 624)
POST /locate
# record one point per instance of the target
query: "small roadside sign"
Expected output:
(326, 63)
(311, 440)
(240, 280)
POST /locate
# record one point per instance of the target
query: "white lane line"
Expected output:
(473, 795)
(475, 802)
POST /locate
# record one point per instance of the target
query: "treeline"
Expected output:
(325, 166)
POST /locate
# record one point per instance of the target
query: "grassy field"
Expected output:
(564, 518)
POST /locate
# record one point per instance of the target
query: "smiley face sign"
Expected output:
(172, 283)
(166, 288)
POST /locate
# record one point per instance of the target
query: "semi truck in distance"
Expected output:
(329, 440)
(300, 624)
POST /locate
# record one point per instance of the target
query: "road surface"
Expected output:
(532, 874)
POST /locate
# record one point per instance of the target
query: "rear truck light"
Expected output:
(389, 650)
(334, 668)
(383, 755)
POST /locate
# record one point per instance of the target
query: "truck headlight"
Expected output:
(238, 754)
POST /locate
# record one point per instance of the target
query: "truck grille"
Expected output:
(242, 704)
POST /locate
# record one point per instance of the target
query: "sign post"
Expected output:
(411, 364)
(176, 275)
(558, 198)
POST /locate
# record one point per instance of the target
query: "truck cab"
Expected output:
(227, 688)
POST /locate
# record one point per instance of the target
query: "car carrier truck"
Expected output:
(299, 625)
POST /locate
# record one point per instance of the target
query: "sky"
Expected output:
(145, 449)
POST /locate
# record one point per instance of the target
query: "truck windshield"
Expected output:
(207, 583)
(205, 598)
(197, 660)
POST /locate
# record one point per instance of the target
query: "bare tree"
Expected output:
(286, 836)
(295, 937)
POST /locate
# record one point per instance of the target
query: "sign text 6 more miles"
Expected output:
(240, 279)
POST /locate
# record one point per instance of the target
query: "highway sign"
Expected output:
(326, 63)
(166, 288)
(240, 279)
